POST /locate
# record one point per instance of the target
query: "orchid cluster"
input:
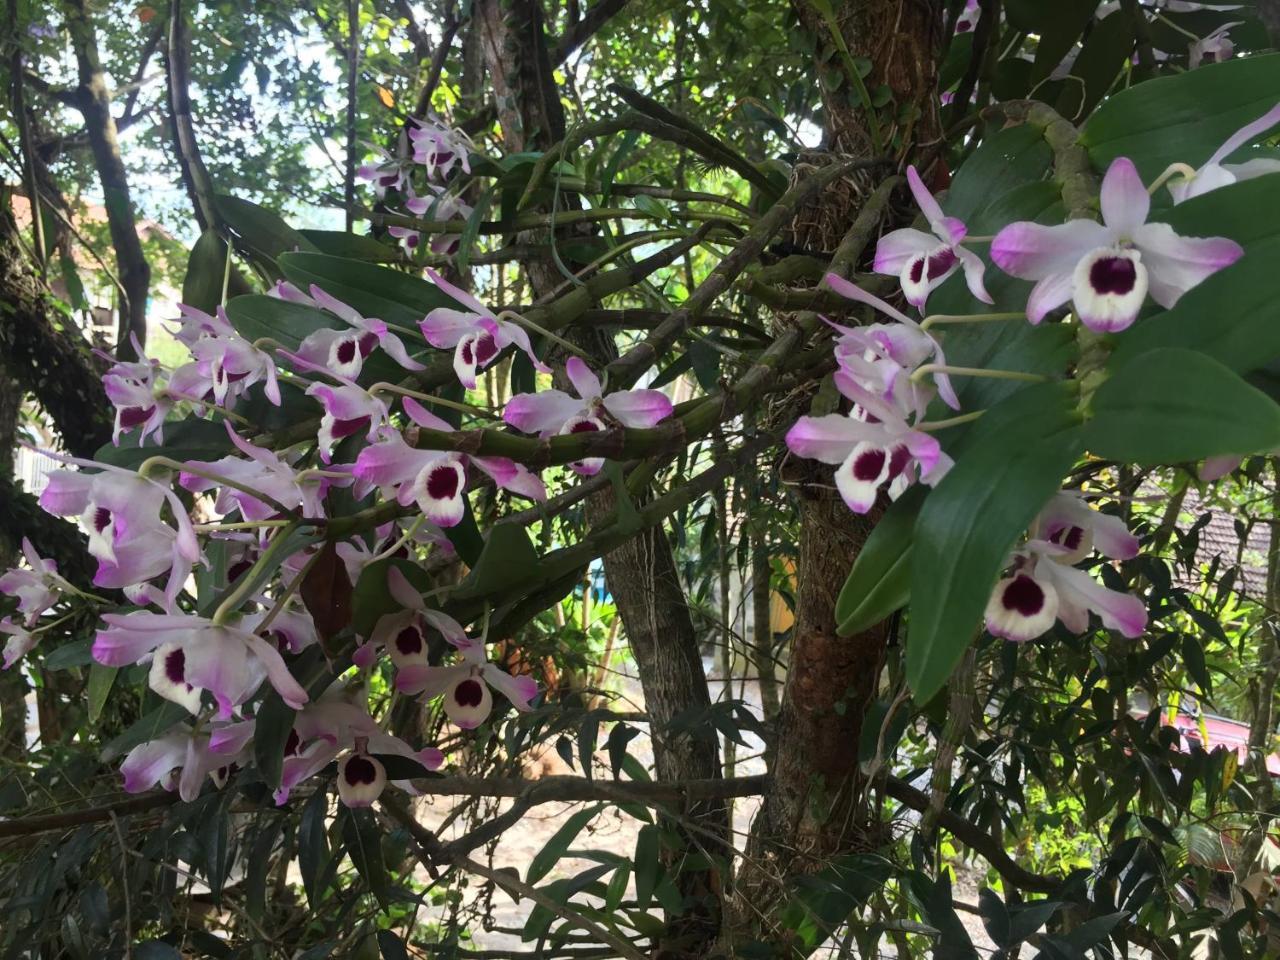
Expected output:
(170, 534)
(429, 144)
(890, 373)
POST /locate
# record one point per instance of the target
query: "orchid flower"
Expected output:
(194, 325)
(344, 351)
(1215, 173)
(226, 367)
(191, 654)
(882, 357)
(37, 588)
(438, 148)
(156, 762)
(475, 334)
(292, 630)
(134, 389)
(969, 16)
(444, 206)
(868, 454)
(263, 471)
(556, 412)
(1107, 269)
(21, 642)
(434, 480)
(465, 686)
(385, 172)
(120, 512)
(1045, 585)
(922, 261)
(334, 722)
(348, 409)
(404, 634)
(1214, 47)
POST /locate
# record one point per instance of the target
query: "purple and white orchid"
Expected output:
(21, 641)
(476, 336)
(343, 351)
(141, 400)
(922, 261)
(438, 148)
(1045, 586)
(1216, 173)
(872, 447)
(37, 588)
(553, 412)
(405, 634)
(1107, 269)
(191, 654)
(181, 760)
(121, 513)
(881, 357)
(435, 480)
(1214, 47)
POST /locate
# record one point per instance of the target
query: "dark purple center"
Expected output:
(468, 693)
(367, 342)
(360, 770)
(390, 180)
(101, 519)
(346, 351)
(898, 461)
(584, 426)
(1113, 275)
(236, 569)
(292, 743)
(1023, 596)
(345, 428)
(442, 483)
(175, 666)
(932, 266)
(867, 465)
(468, 355)
(1070, 537)
(409, 641)
(486, 349)
(133, 416)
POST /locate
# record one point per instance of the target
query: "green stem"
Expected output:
(950, 421)
(151, 463)
(937, 318)
(473, 409)
(928, 368)
(241, 593)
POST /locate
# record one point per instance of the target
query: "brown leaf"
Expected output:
(326, 592)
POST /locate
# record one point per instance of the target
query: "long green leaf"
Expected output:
(546, 858)
(1172, 405)
(973, 517)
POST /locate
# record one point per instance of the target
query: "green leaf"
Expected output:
(1102, 58)
(257, 867)
(77, 653)
(371, 600)
(101, 679)
(363, 841)
(1008, 159)
(648, 864)
(1183, 117)
(1234, 315)
(261, 230)
(625, 146)
(561, 891)
(390, 295)
(190, 439)
(969, 522)
(880, 581)
(313, 845)
(151, 725)
(471, 230)
(256, 315)
(508, 558)
(271, 732)
(353, 246)
(1171, 405)
(206, 266)
(391, 946)
(546, 858)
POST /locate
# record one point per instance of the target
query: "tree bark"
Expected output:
(814, 810)
(642, 575)
(94, 102)
(13, 686)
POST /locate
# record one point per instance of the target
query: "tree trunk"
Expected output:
(814, 810)
(13, 686)
(642, 575)
(94, 102)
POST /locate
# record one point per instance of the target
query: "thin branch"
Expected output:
(579, 33)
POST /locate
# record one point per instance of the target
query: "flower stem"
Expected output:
(266, 560)
(476, 410)
(152, 463)
(239, 525)
(929, 368)
(408, 535)
(229, 414)
(1188, 173)
(949, 422)
(937, 318)
(283, 600)
(513, 317)
(976, 239)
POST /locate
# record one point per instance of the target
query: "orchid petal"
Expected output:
(1124, 200)
(542, 412)
(519, 690)
(638, 408)
(583, 379)
(1176, 264)
(898, 247)
(1033, 251)
(974, 270)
